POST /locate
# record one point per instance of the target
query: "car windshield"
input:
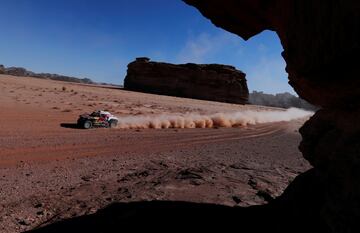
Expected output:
(95, 114)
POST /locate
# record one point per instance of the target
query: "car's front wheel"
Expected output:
(87, 124)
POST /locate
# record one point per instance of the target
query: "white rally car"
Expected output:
(98, 118)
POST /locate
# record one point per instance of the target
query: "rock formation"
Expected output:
(214, 82)
(321, 47)
(18, 71)
(279, 100)
(22, 72)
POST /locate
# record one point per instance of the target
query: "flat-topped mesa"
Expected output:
(212, 82)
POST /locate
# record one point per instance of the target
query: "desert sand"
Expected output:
(50, 170)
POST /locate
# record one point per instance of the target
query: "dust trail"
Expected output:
(195, 120)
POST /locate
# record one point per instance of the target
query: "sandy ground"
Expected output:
(50, 171)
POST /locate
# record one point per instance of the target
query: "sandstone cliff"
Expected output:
(207, 81)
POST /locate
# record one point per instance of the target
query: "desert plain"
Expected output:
(51, 170)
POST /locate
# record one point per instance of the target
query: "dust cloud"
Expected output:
(196, 120)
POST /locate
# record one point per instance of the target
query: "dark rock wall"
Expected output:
(207, 82)
(321, 41)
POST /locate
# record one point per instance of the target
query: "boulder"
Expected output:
(213, 82)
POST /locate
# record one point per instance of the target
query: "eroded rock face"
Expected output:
(2, 69)
(321, 41)
(207, 82)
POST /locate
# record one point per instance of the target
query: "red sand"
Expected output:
(49, 172)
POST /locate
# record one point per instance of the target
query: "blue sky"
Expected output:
(97, 39)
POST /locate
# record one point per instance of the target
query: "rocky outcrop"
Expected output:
(280, 100)
(22, 72)
(321, 47)
(214, 82)
(18, 71)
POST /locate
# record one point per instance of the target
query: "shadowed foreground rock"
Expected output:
(167, 216)
(207, 82)
(321, 50)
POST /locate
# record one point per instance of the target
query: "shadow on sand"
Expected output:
(295, 211)
(69, 125)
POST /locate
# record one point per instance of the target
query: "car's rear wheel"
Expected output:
(87, 125)
(113, 123)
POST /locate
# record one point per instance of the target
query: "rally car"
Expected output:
(98, 118)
